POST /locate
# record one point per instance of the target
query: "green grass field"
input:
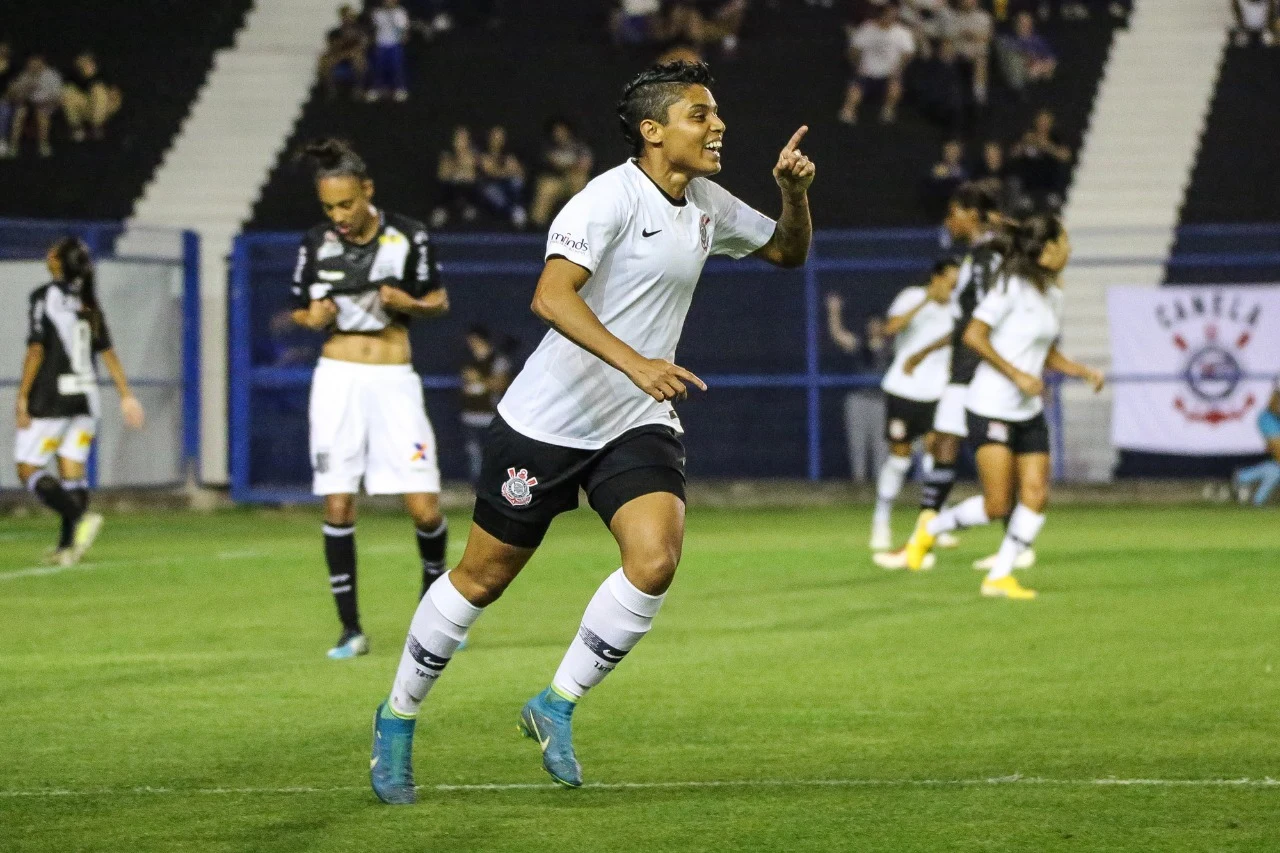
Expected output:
(173, 694)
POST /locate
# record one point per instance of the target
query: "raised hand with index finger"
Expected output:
(794, 171)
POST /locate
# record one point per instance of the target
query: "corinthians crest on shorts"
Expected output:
(518, 489)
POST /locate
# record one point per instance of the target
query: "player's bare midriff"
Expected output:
(388, 346)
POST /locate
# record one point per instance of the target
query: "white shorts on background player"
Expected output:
(369, 421)
(1024, 323)
(949, 417)
(645, 254)
(69, 438)
(932, 321)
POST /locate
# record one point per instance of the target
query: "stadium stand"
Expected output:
(158, 52)
(1235, 175)
(788, 69)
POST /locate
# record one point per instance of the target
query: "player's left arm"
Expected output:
(1059, 362)
(794, 172)
(130, 408)
(422, 294)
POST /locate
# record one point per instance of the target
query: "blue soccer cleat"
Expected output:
(546, 718)
(391, 761)
(351, 644)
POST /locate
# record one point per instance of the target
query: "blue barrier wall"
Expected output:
(756, 334)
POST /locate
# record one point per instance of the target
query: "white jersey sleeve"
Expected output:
(997, 304)
(907, 300)
(588, 225)
(740, 229)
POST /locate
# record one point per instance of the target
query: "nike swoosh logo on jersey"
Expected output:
(644, 233)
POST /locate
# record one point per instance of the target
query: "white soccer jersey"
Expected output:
(931, 322)
(1024, 323)
(645, 252)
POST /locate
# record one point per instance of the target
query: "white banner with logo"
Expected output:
(1210, 339)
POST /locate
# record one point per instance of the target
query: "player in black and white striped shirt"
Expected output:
(360, 278)
(58, 406)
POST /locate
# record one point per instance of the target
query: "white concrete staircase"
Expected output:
(1129, 185)
(218, 162)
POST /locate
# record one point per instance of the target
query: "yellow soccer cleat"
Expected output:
(1007, 587)
(921, 541)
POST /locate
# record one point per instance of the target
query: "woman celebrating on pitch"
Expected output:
(1014, 330)
(592, 407)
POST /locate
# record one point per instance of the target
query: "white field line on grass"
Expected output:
(175, 559)
(728, 784)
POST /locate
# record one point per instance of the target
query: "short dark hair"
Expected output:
(334, 158)
(943, 264)
(972, 196)
(652, 92)
(479, 331)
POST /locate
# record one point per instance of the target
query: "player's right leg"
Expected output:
(888, 485)
(338, 446)
(34, 446)
(950, 428)
(444, 615)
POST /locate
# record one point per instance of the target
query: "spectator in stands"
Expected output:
(971, 28)
(707, 23)
(1265, 474)
(879, 50)
(390, 35)
(945, 177)
(501, 180)
(88, 100)
(566, 167)
(1079, 9)
(1041, 161)
(925, 19)
(343, 61)
(939, 88)
(1025, 57)
(457, 174)
(37, 90)
(864, 407)
(991, 172)
(485, 377)
(7, 74)
(1254, 22)
(636, 22)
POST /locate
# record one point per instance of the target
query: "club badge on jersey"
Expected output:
(518, 489)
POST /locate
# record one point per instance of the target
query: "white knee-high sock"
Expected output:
(892, 473)
(439, 626)
(618, 616)
(970, 512)
(1024, 526)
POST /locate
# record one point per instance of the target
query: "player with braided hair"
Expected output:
(592, 408)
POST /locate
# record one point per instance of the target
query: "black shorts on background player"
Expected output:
(906, 420)
(1029, 436)
(524, 483)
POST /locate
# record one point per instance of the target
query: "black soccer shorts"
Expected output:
(1029, 436)
(524, 483)
(906, 420)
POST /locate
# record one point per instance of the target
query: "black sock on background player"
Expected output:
(51, 493)
(432, 545)
(79, 492)
(937, 486)
(340, 555)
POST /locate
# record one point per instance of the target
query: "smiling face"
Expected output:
(691, 138)
(347, 201)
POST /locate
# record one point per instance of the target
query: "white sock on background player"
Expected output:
(617, 617)
(889, 485)
(1024, 526)
(970, 512)
(439, 626)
